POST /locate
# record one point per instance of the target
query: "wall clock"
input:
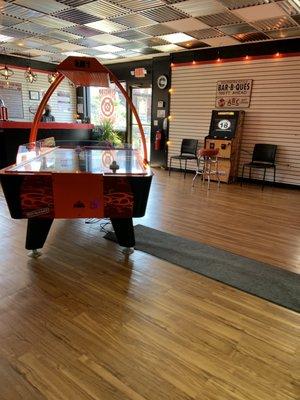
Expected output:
(162, 82)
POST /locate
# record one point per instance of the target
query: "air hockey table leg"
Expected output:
(124, 231)
(37, 232)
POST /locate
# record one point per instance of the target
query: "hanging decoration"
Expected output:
(30, 76)
(52, 77)
(6, 72)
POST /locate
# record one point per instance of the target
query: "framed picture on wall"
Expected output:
(34, 95)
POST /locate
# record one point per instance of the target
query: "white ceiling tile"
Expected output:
(263, 11)
(105, 38)
(186, 25)
(197, 8)
(45, 6)
(38, 52)
(107, 26)
(168, 47)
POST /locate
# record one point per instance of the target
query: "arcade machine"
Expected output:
(225, 134)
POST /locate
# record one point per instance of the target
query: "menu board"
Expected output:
(11, 95)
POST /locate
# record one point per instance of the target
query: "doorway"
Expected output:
(141, 98)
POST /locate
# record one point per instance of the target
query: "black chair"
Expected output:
(188, 152)
(263, 157)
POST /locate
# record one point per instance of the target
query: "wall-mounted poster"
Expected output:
(64, 101)
(233, 93)
(11, 95)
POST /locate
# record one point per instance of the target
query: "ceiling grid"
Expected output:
(50, 30)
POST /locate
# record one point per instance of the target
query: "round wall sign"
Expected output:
(107, 107)
(162, 81)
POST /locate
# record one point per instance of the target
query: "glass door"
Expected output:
(141, 98)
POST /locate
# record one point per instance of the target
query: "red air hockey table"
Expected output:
(58, 180)
(80, 182)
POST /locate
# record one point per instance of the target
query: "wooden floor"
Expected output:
(83, 322)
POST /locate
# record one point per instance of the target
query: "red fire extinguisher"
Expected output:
(157, 142)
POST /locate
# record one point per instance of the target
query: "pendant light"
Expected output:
(52, 77)
(30, 76)
(6, 72)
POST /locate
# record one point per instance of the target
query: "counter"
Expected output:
(15, 133)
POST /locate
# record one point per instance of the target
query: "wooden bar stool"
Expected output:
(207, 165)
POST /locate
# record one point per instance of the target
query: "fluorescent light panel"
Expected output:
(4, 38)
(108, 48)
(75, 53)
(176, 37)
(108, 56)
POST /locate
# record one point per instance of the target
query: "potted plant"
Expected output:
(108, 134)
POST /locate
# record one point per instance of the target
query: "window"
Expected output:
(108, 104)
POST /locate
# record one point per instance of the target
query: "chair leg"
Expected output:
(263, 182)
(170, 166)
(250, 173)
(208, 175)
(218, 175)
(274, 180)
(193, 182)
(185, 168)
(242, 181)
(180, 165)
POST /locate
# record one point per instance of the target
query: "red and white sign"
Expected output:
(107, 106)
(139, 72)
(107, 103)
(233, 93)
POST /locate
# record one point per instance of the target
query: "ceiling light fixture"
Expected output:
(178, 37)
(6, 72)
(30, 76)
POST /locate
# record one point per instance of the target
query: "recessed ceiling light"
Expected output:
(108, 48)
(176, 37)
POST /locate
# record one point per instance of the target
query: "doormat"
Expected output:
(266, 281)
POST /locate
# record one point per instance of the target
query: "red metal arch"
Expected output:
(84, 71)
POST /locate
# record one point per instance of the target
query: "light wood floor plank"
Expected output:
(85, 323)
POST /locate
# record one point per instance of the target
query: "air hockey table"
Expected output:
(74, 180)
(52, 180)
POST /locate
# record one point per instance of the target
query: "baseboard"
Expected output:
(269, 183)
(249, 181)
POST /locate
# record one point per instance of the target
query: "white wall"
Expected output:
(273, 115)
(42, 85)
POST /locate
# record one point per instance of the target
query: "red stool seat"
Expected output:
(208, 152)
